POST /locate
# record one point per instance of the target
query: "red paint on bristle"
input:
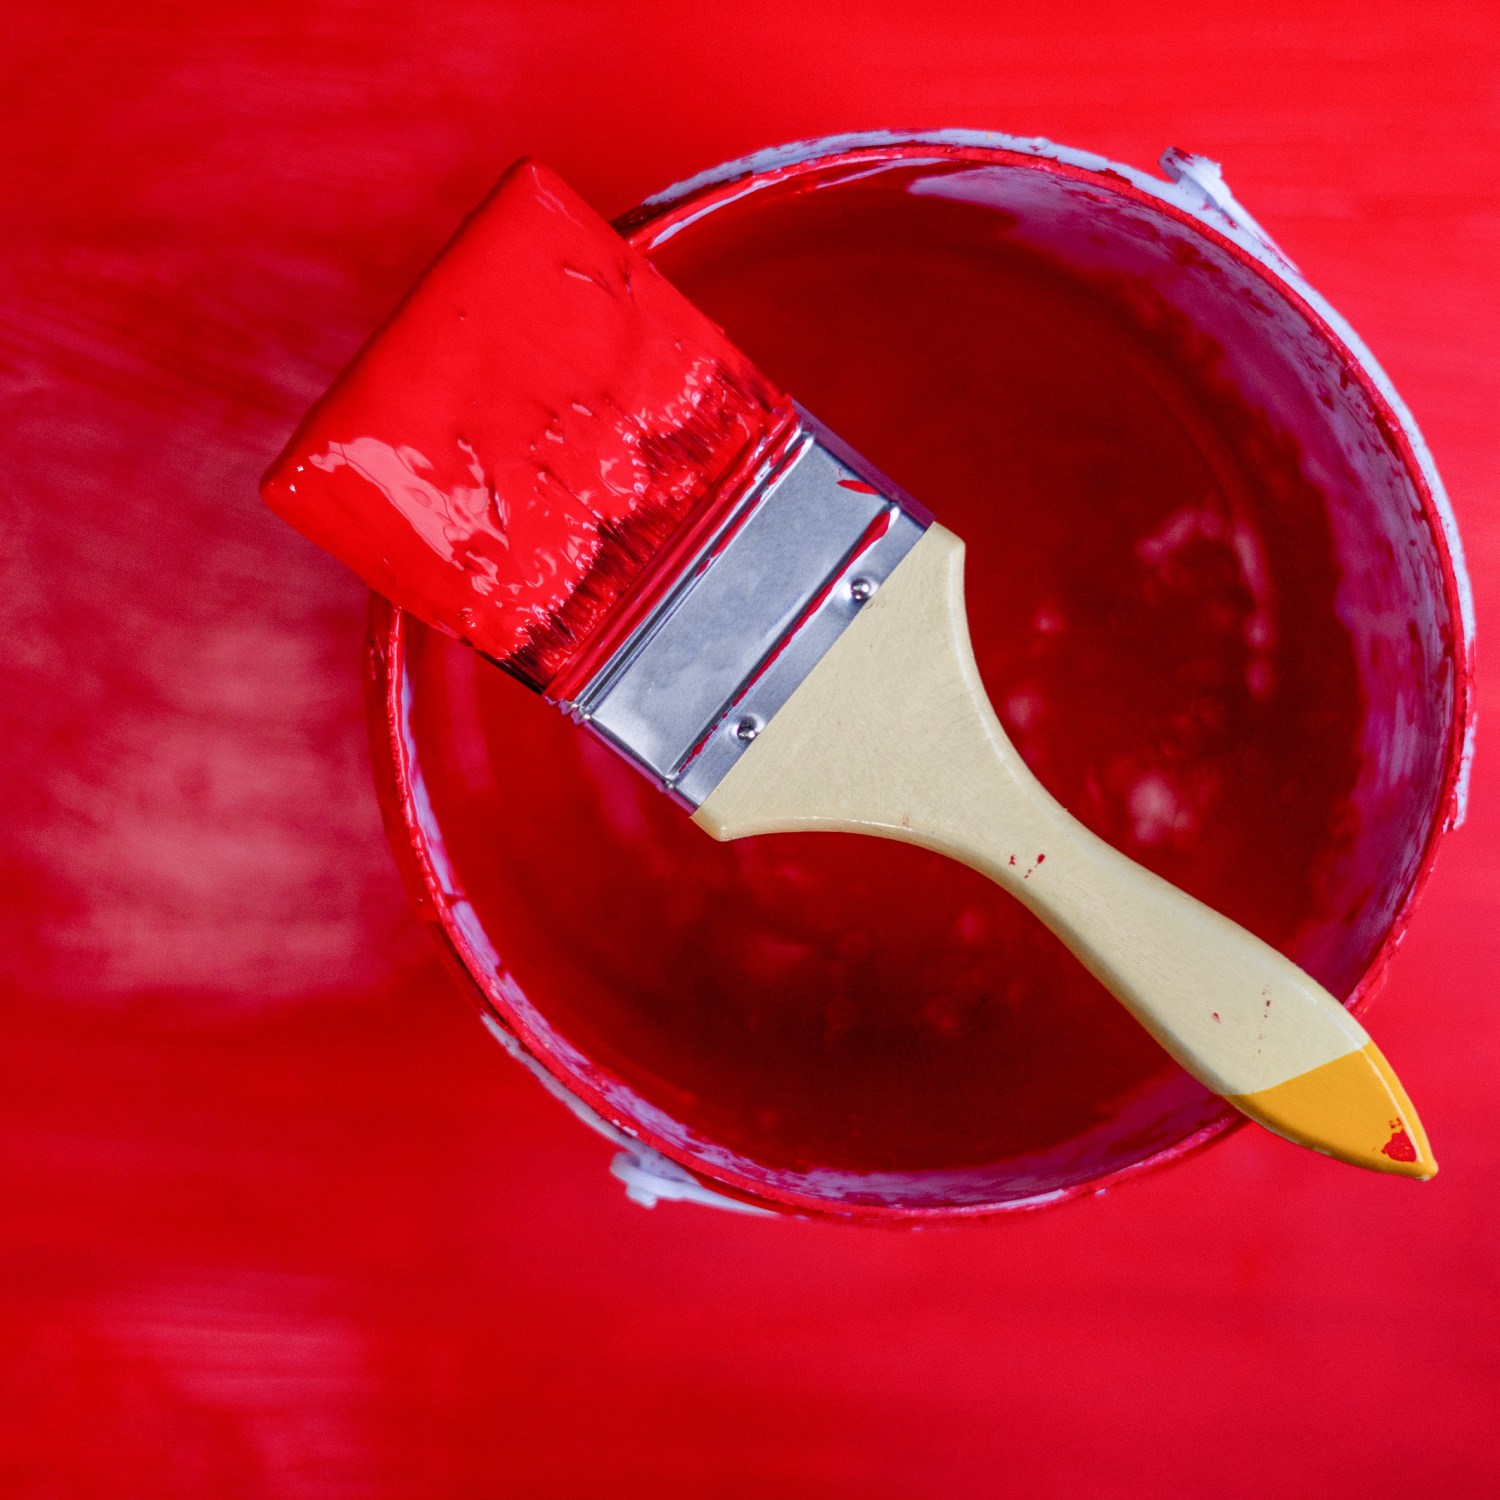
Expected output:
(521, 455)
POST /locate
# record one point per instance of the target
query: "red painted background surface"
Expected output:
(276, 1217)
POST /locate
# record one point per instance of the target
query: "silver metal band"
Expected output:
(750, 617)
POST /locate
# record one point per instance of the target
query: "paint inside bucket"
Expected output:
(1212, 604)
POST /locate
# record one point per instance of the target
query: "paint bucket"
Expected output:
(1218, 600)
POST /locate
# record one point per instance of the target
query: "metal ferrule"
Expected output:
(751, 615)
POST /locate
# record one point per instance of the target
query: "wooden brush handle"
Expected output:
(892, 734)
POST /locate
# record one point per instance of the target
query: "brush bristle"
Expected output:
(510, 457)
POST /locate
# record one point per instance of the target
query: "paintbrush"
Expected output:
(550, 453)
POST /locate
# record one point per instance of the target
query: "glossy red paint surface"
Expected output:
(276, 1217)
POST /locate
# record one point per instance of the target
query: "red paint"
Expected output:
(516, 454)
(277, 1219)
(1158, 597)
(858, 486)
(1399, 1147)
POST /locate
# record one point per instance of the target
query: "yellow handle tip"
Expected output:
(1353, 1109)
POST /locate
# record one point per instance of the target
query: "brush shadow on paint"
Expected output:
(1210, 611)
